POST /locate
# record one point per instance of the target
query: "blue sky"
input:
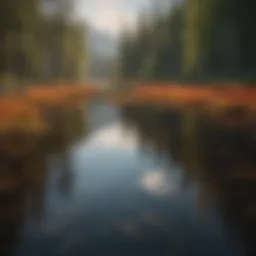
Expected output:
(110, 16)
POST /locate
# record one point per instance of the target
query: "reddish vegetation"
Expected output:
(218, 102)
(224, 105)
(60, 95)
(24, 112)
(175, 95)
(197, 94)
(15, 112)
(181, 96)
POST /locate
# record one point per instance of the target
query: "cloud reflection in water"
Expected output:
(112, 136)
(159, 183)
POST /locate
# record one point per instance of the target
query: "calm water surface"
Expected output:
(107, 196)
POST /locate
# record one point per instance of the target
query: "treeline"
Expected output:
(196, 41)
(38, 43)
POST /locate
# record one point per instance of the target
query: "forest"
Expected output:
(196, 41)
(40, 44)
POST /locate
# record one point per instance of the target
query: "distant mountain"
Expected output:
(102, 44)
(103, 52)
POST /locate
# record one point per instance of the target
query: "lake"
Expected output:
(123, 189)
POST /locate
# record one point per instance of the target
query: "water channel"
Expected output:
(113, 193)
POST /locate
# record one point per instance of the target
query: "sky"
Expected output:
(110, 16)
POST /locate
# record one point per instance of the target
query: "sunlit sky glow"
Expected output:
(110, 16)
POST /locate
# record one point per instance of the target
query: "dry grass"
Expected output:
(224, 105)
(24, 113)
(197, 95)
(17, 114)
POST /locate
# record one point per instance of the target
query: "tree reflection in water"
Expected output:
(219, 158)
(23, 177)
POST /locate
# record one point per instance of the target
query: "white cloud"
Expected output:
(111, 20)
(110, 15)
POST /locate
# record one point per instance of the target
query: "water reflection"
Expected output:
(24, 177)
(221, 160)
(159, 183)
(118, 191)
